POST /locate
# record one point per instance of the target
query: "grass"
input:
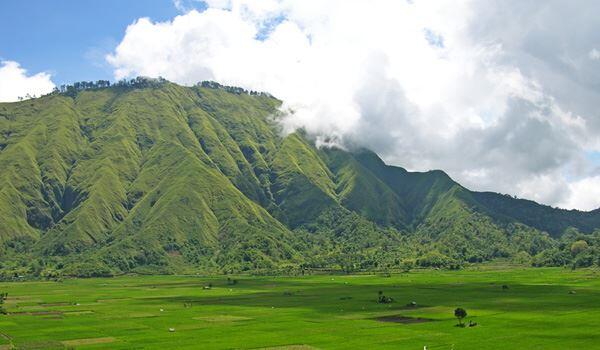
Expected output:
(545, 308)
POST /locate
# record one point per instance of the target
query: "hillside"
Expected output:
(153, 176)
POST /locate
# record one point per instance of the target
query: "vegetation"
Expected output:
(147, 176)
(460, 314)
(309, 312)
(3, 297)
(382, 299)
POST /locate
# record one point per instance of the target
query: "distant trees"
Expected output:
(574, 249)
(86, 269)
(522, 257)
(3, 297)
(436, 259)
(578, 247)
(460, 314)
(72, 90)
(26, 97)
(139, 82)
(407, 264)
(551, 257)
(231, 89)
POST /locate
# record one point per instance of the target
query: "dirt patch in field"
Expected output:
(198, 284)
(62, 303)
(37, 313)
(52, 317)
(88, 341)
(22, 300)
(402, 319)
(6, 347)
(79, 312)
(38, 345)
(222, 318)
(141, 315)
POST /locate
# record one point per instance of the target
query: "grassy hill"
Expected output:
(152, 176)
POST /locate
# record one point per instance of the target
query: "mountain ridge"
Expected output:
(148, 174)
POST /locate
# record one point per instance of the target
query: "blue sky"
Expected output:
(68, 38)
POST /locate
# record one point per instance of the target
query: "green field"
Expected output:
(543, 308)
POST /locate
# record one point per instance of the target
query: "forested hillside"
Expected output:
(150, 176)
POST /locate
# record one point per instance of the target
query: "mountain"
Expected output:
(147, 175)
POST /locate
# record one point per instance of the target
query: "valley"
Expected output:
(540, 308)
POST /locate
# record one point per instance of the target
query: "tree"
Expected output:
(407, 264)
(578, 247)
(460, 314)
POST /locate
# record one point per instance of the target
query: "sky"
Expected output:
(501, 94)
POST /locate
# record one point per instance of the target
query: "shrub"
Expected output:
(579, 247)
(382, 299)
(551, 257)
(522, 257)
(407, 264)
(88, 269)
(437, 259)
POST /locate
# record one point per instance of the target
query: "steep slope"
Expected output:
(360, 190)
(42, 141)
(302, 186)
(150, 174)
(191, 210)
(552, 220)
(176, 170)
(419, 191)
(423, 190)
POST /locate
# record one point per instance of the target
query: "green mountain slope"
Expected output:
(360, 190)
(552, 220)
(149, 175)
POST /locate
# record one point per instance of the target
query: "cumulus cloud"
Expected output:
(15, 83)
(584, 194)
(501, 96)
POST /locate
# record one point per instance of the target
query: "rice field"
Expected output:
(541, 308)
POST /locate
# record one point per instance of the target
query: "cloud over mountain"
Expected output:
(501, 96)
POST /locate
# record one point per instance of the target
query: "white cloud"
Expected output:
(585, 194)
(15, 83)
(594, 54)
(466, 88)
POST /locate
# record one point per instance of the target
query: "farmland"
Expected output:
(549, 308)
